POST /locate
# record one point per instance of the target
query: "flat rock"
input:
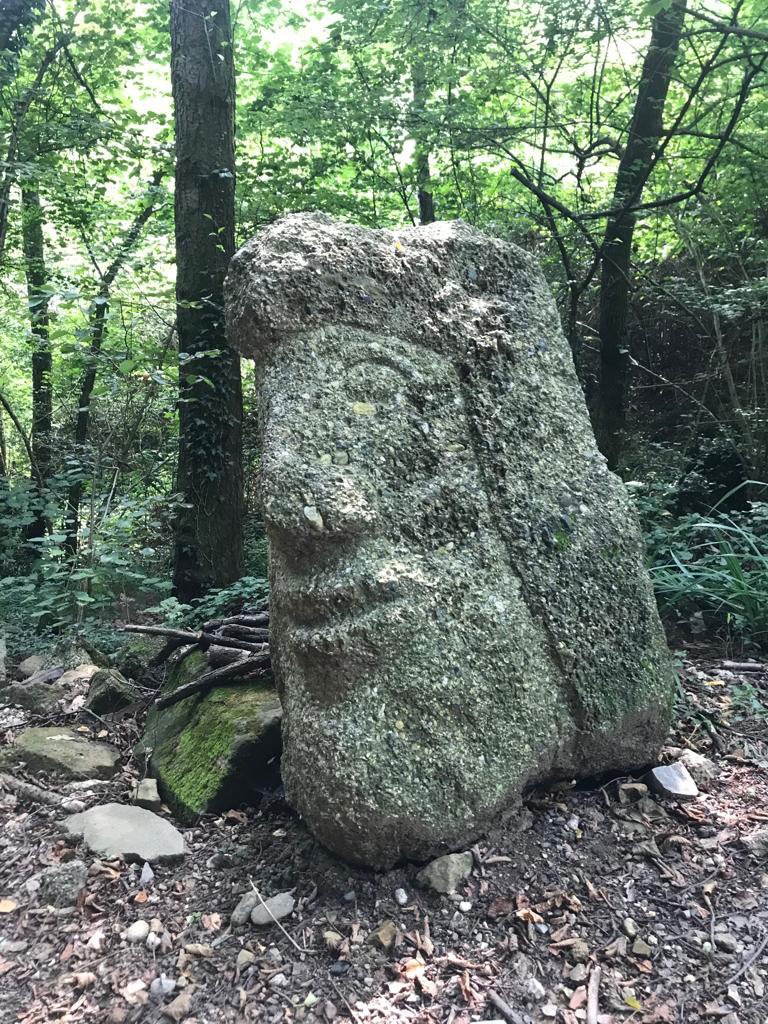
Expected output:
(273, 909)
(116, 830)
(673, 781)
(146, 795)
(459, 606)
(78, 675)
(30, 665)
(64, 752)
(42, 698)
(445, 873)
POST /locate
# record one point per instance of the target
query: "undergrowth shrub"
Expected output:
(714, 566)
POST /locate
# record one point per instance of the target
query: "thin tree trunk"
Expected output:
(37, 301)
(634, 167)
(421, 153)
(208, 531)
(97, 328)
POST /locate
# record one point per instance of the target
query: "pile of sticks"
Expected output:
(237, 649)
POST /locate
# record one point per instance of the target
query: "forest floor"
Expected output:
(661, 908)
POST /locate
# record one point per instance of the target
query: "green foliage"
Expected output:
(246, 594)
(715, 566)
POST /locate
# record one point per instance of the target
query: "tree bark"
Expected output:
(634, 168)
(37, 301)
(421, 150)
(208, 530)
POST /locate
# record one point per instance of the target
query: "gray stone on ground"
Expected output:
(30, 665)
(137, 932)
(63, 752)
(135, 834)
(459, 605)
(42, 698)
(78, 675)
(146, 795)
(109, 692)
(703, 770)
(446, 873)
(757, 843)
(673, 781)
(60, 885)
(273, 909)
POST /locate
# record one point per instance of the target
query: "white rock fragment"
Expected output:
(137, 932)
(673, 781)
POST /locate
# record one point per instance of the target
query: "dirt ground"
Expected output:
(657, 909)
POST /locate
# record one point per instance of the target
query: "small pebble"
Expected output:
(630, 928)
(162, 987)
(726, 942)
(137, 932)
(401, 897)
(465, 906)
(278, 980)
(153, 941)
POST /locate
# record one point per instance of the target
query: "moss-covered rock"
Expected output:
(215, 750)
(109, 692)
(132, 657)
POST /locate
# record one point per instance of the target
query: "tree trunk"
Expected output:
(15, 17)
(97, 326)
(421, 148)
(37, 300)
(634, 168)
(208, 531)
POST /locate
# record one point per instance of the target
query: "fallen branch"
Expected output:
(260, 619)
(163, 655)
(253, 633)
(29, 791)
(593, 995)
(506, 1011)
(202, 639)
(244, 667)
(754, 955)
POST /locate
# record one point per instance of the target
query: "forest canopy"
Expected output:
(621, 143)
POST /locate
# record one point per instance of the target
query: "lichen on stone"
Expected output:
(211, 751)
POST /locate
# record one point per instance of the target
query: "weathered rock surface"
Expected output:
(446, 873)
(110, 691)
(458, 600)
(212, 751)
(146, 795)
(60, 885)
(117, 830)
(673, 781)
(275, 908)
(30, 665)
(64, 752)
(132, 658)
(40, 697)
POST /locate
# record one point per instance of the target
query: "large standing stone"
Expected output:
(459, 605)
(212, 750)
(63, 752)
